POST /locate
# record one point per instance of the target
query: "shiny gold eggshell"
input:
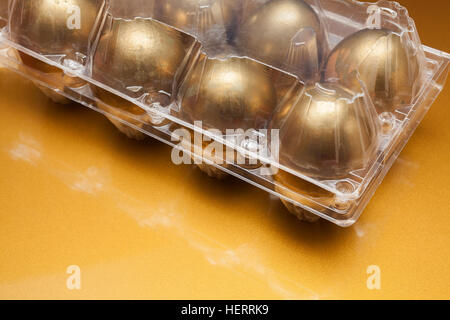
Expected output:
(210, 21)
(139, 58)
(382, 61)
(267, 34)
(235, 93)
(141, 54)
(196, 15)
(329, 133)
(42, 26)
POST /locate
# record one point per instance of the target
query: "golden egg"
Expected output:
(232, 93)
(210, 21)
(383, 61)
(54, 28)
(139, 58)
(228, 94)
(287, 34)
(329, 132)
(196, 15)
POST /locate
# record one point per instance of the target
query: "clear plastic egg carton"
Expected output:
(309, 100)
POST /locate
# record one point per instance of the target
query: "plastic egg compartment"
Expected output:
(344, 82)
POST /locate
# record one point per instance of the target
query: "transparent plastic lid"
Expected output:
(310, 100)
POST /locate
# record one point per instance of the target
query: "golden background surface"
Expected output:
(74, 191)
